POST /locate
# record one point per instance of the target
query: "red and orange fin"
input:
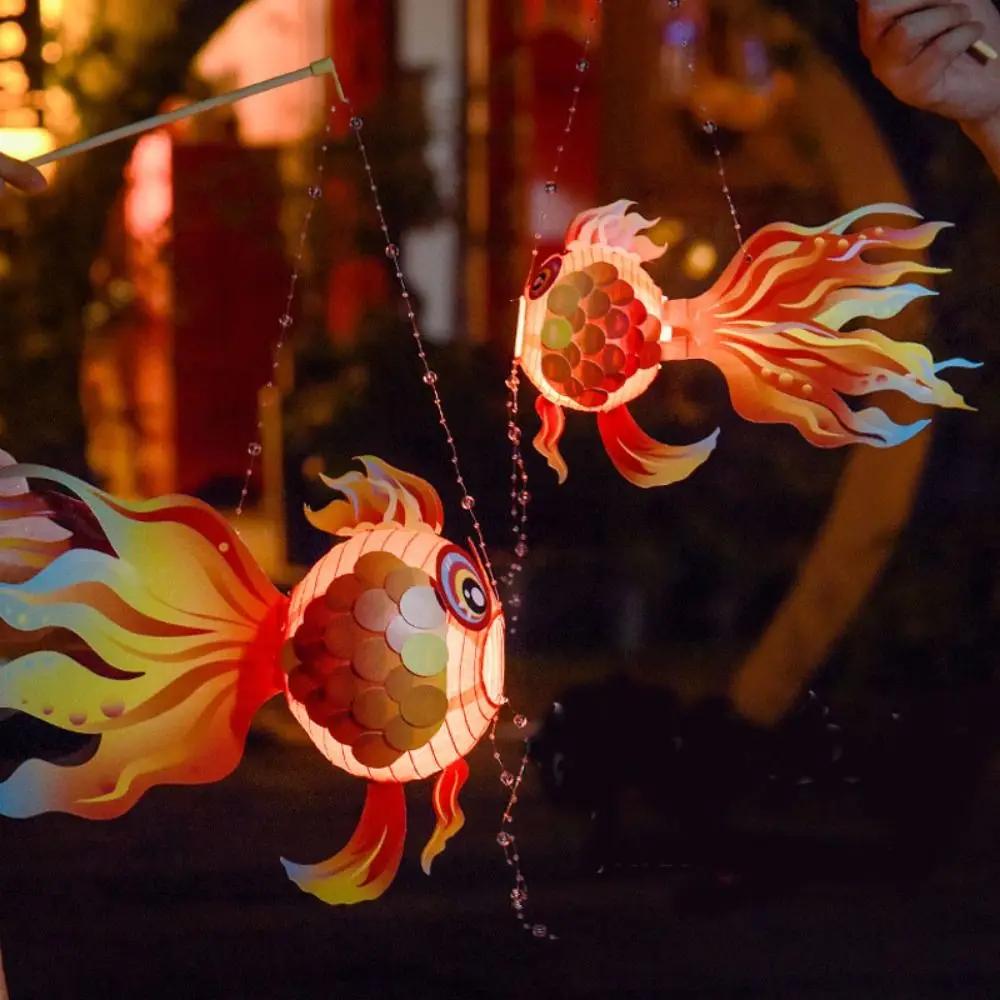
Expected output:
(450, 818)
(643, 461)
(773, 323)
(365, 868)
(146, 624)
(547, 440)
(30, 535)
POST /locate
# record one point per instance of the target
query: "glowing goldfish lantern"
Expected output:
(594, 328)
(150, 626)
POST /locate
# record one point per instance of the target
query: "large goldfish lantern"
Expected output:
(594, 327)
(150, 626)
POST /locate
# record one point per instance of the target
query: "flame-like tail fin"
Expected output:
(773, 323)
(364, 869)
(151, 627)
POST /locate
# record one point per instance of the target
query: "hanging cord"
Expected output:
(286, 320)
(510, 782)
(711, 129)
(520, 498)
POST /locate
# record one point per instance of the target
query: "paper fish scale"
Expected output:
(150, 625)
(779, 324)
(611, 306)
(596, 335)
(346, 658)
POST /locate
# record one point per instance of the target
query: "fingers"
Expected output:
(877, 16)
(905, 39)
(20, 174)
(936, 57)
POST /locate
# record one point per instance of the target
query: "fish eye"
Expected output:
(544, 277)
(462, 588)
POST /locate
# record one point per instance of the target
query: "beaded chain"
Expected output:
(711, 129)
(286, 320)
(520, 497)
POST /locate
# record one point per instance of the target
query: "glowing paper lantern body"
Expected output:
(150, 625)
(594, 327)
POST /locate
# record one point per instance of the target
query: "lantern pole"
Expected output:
(318, 68)
(983, 51)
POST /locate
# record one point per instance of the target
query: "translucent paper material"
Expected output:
(161, 641)
(394, 660)
(149, 626)
(594, 328)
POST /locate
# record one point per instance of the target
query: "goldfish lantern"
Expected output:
(150, 626)
(593, 329)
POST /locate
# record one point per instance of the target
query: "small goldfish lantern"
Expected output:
(594, 327)
(150, 626)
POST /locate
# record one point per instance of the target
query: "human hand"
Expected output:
(22, 175)
(919, 51)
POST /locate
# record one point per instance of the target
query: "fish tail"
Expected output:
(147, 625)
(774, 324)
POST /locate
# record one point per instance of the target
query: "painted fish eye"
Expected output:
(462, 588)
(544, 277)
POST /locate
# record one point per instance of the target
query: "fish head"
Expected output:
(394, 652)
(589, 319)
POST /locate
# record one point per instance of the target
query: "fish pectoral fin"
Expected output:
(547, 440)
(643, 461)
(365, 868)
(450, 818)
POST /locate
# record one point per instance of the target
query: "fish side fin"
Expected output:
(365, 868)
(547, 439)
(450, 818)
(643, 461)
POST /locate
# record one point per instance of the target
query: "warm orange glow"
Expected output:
(593, 334)
(52, 52)
(260, 40)
(149, 201)
(519, 339)
(13, 78)
(12, 8)
(474, 670)
(25, 143)
(12, 40)
(51, 12)
(700, 260)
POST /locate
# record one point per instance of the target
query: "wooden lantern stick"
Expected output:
(983, 52)
(318, 68)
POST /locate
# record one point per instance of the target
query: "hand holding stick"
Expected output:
(940, 56)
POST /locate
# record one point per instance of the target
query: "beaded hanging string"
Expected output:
(511, 782)
(286, 320)
(430, 379)
(520, 498)
(711, 129)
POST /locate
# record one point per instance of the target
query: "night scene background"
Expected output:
(842, 843)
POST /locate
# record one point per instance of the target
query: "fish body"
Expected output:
(388, 680)
(149, 625)
(593, 329)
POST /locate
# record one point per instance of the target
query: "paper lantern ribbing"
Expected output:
(149, 625)
(594, 328)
